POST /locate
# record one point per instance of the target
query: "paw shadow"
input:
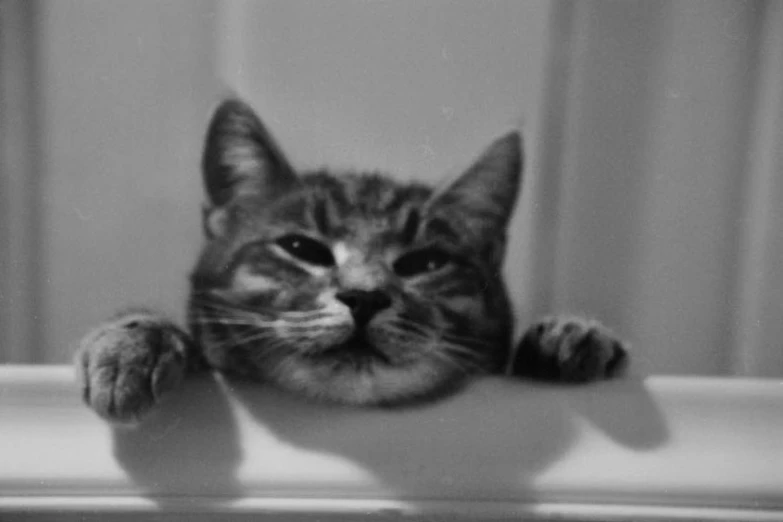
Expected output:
(492, 440)
(190, 438)
(460, 447)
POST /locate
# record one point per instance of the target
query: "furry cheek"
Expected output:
(329, 325)
(276, 294)
(466, 306)
(246, 281)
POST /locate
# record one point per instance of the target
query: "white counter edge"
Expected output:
(660, 448)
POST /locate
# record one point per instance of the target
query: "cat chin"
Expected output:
(373, 383)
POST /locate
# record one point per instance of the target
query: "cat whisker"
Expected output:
(224, 321)
(410, 327)
(211, 310)
(462, 360)
(467, 342)
(238, 310)
(223, 308)
(467, 347)
(232, 322)
(240, 331)
(237, 341)
(205, 311)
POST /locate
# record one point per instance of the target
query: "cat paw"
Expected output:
(570, 349)
(127, 364)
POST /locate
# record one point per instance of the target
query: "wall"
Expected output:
(125, 89)
(416, 89)
(652, 128)
(668, 181)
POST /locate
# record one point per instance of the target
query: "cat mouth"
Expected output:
(356, 349)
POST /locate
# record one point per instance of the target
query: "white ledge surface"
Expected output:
(659, 448)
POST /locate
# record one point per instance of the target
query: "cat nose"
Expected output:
(364, 304)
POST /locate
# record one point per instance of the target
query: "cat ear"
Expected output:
(241, 157)
(486, 192)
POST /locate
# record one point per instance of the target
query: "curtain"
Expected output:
(658, 204)
(654, 133)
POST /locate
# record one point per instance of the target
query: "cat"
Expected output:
(349, 287)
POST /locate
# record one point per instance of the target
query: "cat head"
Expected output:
(350, 287)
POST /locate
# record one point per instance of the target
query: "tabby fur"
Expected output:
(346, 287)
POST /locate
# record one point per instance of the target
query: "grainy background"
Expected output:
(653, 136)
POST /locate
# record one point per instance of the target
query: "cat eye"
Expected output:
(306, 249)
(421, 262)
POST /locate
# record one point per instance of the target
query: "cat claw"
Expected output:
(126, 365)
(570, 349)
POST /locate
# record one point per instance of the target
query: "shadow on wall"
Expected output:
(488, 442)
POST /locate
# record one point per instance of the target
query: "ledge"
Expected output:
(660, 448)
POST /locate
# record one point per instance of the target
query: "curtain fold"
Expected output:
(758, 348)
(669, 181)
(655, 144)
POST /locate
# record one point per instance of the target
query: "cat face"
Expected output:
(350, 287)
